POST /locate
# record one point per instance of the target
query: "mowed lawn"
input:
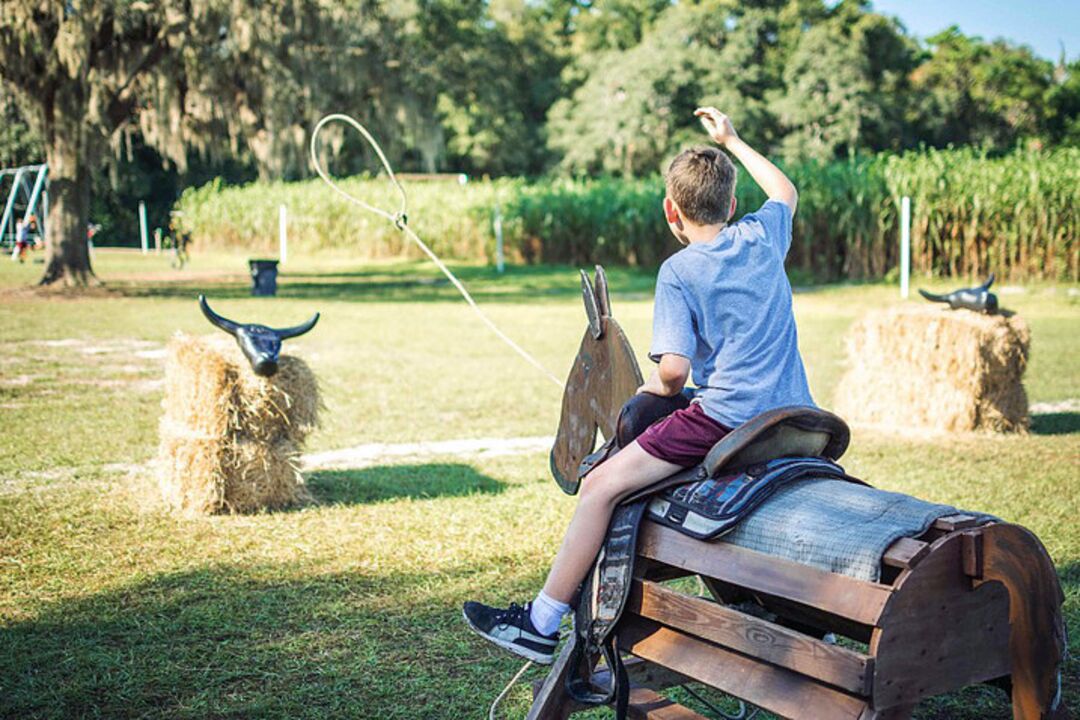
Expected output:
(350, 607)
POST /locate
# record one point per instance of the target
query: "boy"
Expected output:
(723, 314)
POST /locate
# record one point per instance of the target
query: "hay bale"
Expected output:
(935, 369)
(229, 439)
(211, 389)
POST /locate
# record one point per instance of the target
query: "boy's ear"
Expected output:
(671, 211)
(734, 204)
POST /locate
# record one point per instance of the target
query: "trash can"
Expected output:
(263, 277)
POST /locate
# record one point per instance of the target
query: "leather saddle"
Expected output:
(742, 469)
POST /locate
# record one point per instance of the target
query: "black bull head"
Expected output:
(261, 344)
(978, 299)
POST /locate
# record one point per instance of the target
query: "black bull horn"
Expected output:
(260, 344)
(979, 299)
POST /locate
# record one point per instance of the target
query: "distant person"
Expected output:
(722, 315)
(22, 238)
(180, 241)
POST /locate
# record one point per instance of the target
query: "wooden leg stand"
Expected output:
(964, 604)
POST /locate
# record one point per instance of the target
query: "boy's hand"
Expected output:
(669, 377)
(653, 385)
(717, 124)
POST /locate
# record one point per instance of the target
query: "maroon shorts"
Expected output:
(683, 438)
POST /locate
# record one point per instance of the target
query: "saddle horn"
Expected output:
(298, 330)
(592, 307)
(224, 323)
(603, 297)
(989, 281)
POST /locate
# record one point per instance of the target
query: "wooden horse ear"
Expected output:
(592, 306)
(603, 298)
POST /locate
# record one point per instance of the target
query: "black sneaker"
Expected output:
(512, 630)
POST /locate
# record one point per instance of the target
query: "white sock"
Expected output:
(546, 614)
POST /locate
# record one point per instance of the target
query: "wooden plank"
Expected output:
(646, 704)
(642, 673)
(952, 523)
(1014, 558)
(972, 554)
(551, 702)
(937, 634)
(905, 553)
(897, 712)
(775, 689)
(834, 593)
(789, 614)
(753, 636)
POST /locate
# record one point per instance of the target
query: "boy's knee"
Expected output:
(597, 488)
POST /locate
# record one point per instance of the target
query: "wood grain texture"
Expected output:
(753, 636)
(604, 375)
(781, 691)
(856, 600)
(937, 633)
(905, 553)
(646, 704)
(1014, 559)
(551, 701)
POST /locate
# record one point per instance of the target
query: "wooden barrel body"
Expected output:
(963, 604)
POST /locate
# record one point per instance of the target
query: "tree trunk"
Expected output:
(67, 252)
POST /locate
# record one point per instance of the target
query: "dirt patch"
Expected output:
(19, 380)
(375, 453)
(61, 294)
(1061, 406)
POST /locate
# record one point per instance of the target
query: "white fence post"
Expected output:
(283, 237)
(500, 259)
(905, 245)
(142, 228)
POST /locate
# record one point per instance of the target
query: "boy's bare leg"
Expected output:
(628, 470)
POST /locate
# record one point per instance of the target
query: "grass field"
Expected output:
(111, 607)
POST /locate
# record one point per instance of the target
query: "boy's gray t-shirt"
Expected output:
(726, 305)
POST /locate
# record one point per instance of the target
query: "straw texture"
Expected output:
(936, 369)
(229, 439)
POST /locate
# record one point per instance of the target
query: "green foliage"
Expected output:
(455, 220)
(989, 94)
(1016, 215)
(19, 144)
(526, 87)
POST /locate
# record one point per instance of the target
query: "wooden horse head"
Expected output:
(605, 374)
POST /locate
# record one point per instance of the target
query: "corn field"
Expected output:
(1016, 215)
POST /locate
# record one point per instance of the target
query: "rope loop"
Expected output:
(400, 220)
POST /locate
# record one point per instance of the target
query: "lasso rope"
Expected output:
(400, 221)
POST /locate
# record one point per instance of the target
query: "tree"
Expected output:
(988, 94)
(636, 107)
(73, 69)
(846, 86)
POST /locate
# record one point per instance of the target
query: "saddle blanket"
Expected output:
(836, 525)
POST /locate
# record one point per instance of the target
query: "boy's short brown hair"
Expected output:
(701, 181)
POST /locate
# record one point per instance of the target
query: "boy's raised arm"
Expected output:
(769, 177)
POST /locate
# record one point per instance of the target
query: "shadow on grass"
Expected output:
(519, 284)
(390, 482)
(285, 641)
(266, 641)
(1061, 423)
